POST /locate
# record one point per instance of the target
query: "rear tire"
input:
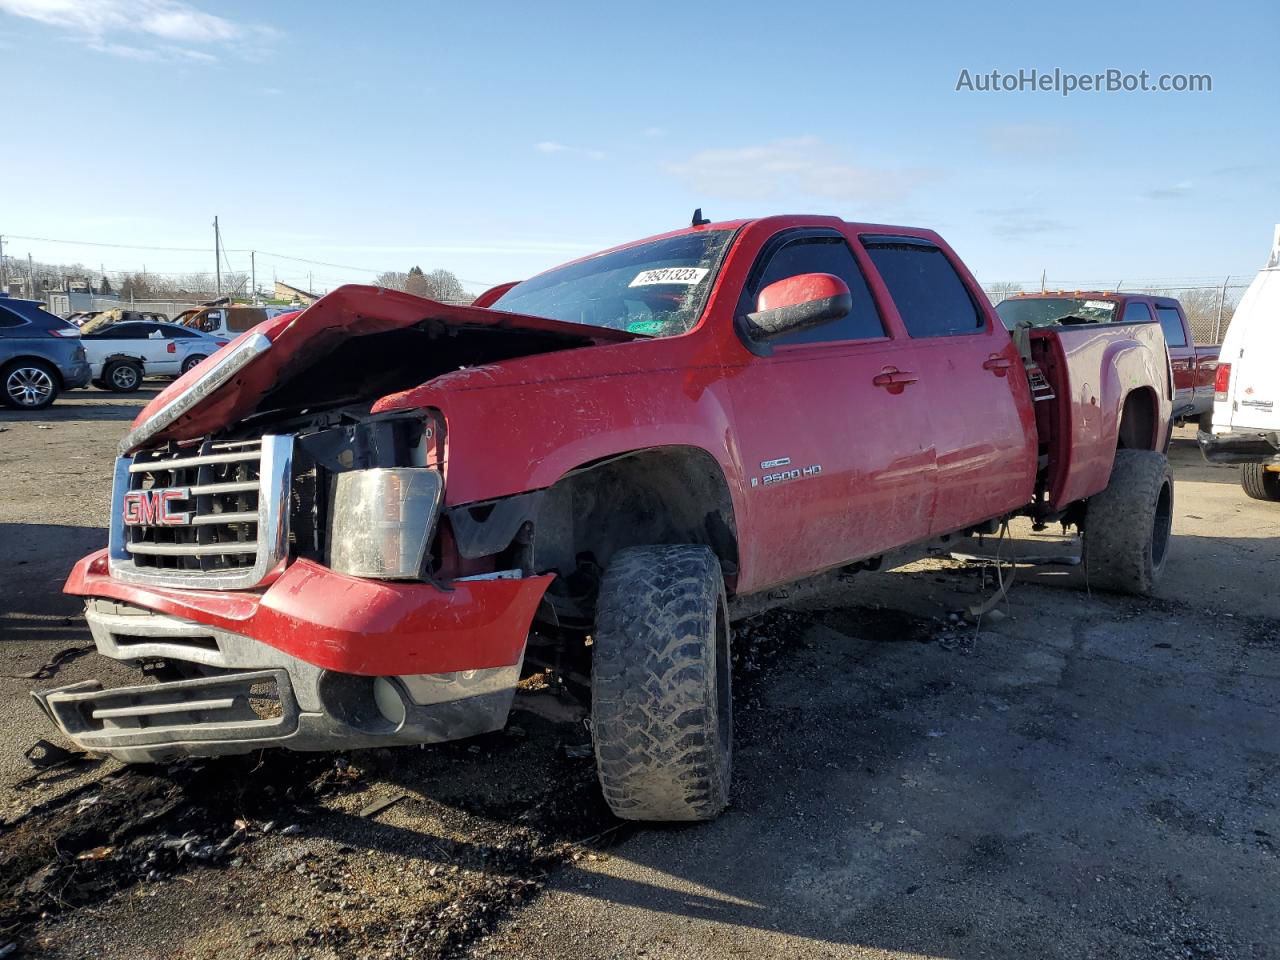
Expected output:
(1260, 483)
(29, 385)
(191, 361)
(122, 376)
(1128, 526)
(662, 707)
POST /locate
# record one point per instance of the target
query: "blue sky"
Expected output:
(498, 139)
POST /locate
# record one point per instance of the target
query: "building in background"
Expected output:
(295, 294)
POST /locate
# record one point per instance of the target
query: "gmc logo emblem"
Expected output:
(153, 508)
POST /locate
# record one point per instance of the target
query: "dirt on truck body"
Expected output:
(344, 529)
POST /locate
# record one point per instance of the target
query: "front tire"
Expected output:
(1260, 483)
(122, 376)
(661, 701)
(1128, 526)
(29, 385)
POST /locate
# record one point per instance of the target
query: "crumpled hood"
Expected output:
(229, 385)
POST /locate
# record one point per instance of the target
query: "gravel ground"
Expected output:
(1078, 775)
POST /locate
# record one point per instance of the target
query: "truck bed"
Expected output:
(1092, 370)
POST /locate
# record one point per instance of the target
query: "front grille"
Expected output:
(213, 515)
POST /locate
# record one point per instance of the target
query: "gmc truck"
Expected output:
(1195, 365)
(350, 526)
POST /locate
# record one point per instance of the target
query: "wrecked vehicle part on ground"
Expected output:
(342, 529)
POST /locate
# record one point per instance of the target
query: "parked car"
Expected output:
(1246, 411)
(227, 322)
(1194, 364)
(105, 318)
(40, 355)
(642, 445)
(122, 354)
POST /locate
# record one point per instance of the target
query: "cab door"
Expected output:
(830, 428)
(978, 400)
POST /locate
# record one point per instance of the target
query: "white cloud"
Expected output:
(1033, 139)
(797, 165)
(552, 147)
(152, 27)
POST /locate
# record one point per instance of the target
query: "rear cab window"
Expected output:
(808, 251)
(931, 298)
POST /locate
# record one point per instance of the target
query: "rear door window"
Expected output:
(9, 320)
(1175, 335)
(931, 298)
(819, 254)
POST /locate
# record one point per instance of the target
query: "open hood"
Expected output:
(267, 359)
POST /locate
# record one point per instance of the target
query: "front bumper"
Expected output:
(316, 661)
(1253, 447)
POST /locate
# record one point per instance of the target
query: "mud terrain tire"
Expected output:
(1128, 525)
(1260, 483)
(661, 704)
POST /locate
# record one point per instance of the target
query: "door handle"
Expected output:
(997, 364)
(895, 381)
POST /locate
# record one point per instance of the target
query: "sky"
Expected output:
(498, 139)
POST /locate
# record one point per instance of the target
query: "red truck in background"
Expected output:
(1194, 365)
(349, 526)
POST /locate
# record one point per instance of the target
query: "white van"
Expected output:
(1246, 408)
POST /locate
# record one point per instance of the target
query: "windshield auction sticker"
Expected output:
(686, 276)
(1106, 305)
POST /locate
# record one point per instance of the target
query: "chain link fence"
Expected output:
(1209, 305)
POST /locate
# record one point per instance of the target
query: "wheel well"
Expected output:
(1137, 430)
(664, 495)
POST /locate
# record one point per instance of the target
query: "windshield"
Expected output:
(656, 288)
(1054, 311)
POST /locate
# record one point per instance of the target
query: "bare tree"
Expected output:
(1001, 291)
(443, 285)
(392, 280)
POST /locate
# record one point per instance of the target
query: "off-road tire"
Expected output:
(1128, 525)
(1260, 483)
(115, 377)
(661, 703)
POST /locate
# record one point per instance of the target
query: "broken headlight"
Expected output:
(381, 521)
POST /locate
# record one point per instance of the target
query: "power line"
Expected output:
(225, 251)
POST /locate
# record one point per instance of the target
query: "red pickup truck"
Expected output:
(1195, 365)
(348, 527)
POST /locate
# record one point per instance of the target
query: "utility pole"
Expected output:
(253, 272)
(310, 282)
(31, 277)
(217, 256)
(1043, 275)
(4, 275)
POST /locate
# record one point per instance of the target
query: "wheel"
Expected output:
(122, 376)
(661, 702)
(1205, 423)
(1129, 524)
(30, 384)
(192, 360)
(1259, 482)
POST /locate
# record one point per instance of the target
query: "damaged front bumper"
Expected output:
(1253, 447)
(316, 661)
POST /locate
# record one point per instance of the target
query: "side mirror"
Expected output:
(796, 303)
